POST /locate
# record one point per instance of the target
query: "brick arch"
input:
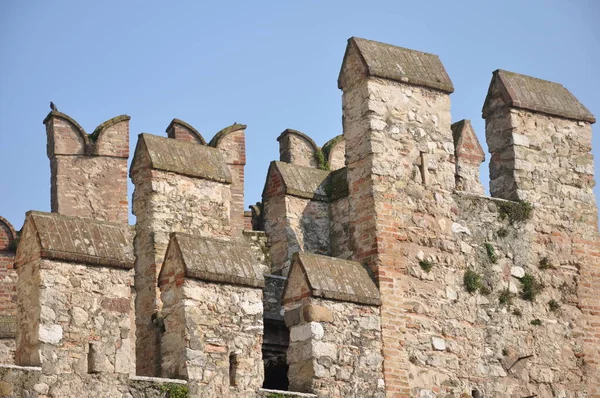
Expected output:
(180, 130)
(7, 235)
(216, 140)
(108, 139)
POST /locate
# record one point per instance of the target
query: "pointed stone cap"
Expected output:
(308, 182)
(466, 144)
(396, 63)
(313, 275)
(537, 95)
(77, 240)
(186, 158)
(216, 260)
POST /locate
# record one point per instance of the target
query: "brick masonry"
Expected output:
(450, 294)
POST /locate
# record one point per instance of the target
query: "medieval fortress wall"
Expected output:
(374, 266)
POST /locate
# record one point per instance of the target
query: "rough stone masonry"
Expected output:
(376, 266)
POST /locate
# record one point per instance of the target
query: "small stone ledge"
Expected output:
(263, 392)
(24, 368)
(155, 379)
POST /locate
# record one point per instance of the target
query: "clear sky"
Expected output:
(270, 65)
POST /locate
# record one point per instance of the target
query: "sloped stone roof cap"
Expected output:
(83, 240)
(461, 129)
(217, 260)
(526, 92)
(401, 64)
(337, 279)
(187, 158)
(304, 182)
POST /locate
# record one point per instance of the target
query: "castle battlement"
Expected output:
(373, 266)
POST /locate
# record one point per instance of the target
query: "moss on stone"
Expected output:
(531, 287)
(545, 264)
(321, 161)
(491, 252)
(515, 211)
(330, 144)
(505, 297)
(426, 265)
(536, 322)
(472, 281)
(173, 390)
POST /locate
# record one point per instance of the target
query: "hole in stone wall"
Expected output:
(233, 366)
(91, 358)
(423, 168)
(476, 394)
(275, 344)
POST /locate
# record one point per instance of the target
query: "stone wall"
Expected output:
(335, 349)
(17, 381)
(222, 358)
(86, 322)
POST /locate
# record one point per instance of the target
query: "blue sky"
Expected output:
(270, 65)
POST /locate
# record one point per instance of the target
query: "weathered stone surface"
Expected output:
(220, 354)
(337, 358)
(180, 157)
(537, 95)
(216, 260)
(397, 64)
(79, 240)
(329, 277)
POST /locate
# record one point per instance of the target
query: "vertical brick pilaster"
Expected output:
(231, 141)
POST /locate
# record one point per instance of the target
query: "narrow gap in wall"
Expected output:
(275, 344)
(91, 358)
(233, 365)
(423, 168)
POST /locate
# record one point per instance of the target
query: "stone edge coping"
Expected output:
(382, 60)
(315, 279)
(287, 393)
(515, 96)
(156, 379)
(332, 183)
(24, 368)
(300, 134)
(68, 256)
(219, 277)
(194, 164)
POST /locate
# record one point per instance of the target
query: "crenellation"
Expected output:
(88, 172)
(374, 266)
(298, 148)
(180, 130)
